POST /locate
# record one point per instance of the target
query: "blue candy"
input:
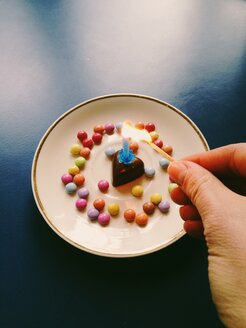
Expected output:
(149, 172)
(109, 152)
(70, 187)
(164, 163)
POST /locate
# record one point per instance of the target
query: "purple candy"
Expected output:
(109, 128)
(81, 203)
(92, 214)
(103, 185)
(164, 206)
(83, 193)
(104, 219)
(66, 178)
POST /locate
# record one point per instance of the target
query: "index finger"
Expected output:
(224, 160)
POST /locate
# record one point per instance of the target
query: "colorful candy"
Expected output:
(99, 204)
(81, 204)
(142, 219)
(172, 186)
(109, 128)
(88, 143)
(129, 215)
(85, 152)
(81, 135)
(79, 179)
(73, 170)
(137, 191)
(134, 147)
(93, 214)
(97, 138)
(103, 185)
(168, 149)
(164, 206)
(70, 187)
(99, 129)
(149, 208)
(83, 192)
(156, 198)
(75, 149)
(103, 219)
(109, 152)
(158, 143)
(66, 178)
(139, 125)
(150, 127)
(149, 172)
(154, 135)
(164, 163)
(114, 209)
(118, 126)
(80, 162)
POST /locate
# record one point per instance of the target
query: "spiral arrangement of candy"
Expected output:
(74, 179)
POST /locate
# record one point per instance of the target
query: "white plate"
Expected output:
(52, 159)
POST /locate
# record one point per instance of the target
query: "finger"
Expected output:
(223, 160)
(179, 197)
(194, 228)
(203, 189)
(189, 212)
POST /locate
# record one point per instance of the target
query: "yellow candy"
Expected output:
(172, 186)
(113, 209)
(137, 191)
(156, 198)
(154, 135)
(73, 170)
(75, 149)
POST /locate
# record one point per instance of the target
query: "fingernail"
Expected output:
(177, 172)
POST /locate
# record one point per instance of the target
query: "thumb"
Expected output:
(205, 191)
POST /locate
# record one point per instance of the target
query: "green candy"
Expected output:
(80, 162)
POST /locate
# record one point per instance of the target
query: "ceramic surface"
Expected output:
(52, 159)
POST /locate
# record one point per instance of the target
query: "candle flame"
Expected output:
(129, 131)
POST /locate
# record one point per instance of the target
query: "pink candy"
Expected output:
(103, 185)
(109, 128)
(67, 178)
(103, 219)
(81, 203)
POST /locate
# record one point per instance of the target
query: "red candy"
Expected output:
(158, 143)
(97, 138)
(150, 127)
(81, 135)
(88, 143)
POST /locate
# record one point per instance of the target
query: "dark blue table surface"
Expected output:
(56, 54)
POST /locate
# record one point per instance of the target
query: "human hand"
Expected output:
(218, 213)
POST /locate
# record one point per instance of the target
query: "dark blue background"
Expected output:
(56, 54)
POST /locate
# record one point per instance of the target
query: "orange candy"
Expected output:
(168, 149)
(85, 152)
(142, 219)
(79, 179)
(129, 215)
(134, 146)
(99, 129)
(139, 125)
(99, 204)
